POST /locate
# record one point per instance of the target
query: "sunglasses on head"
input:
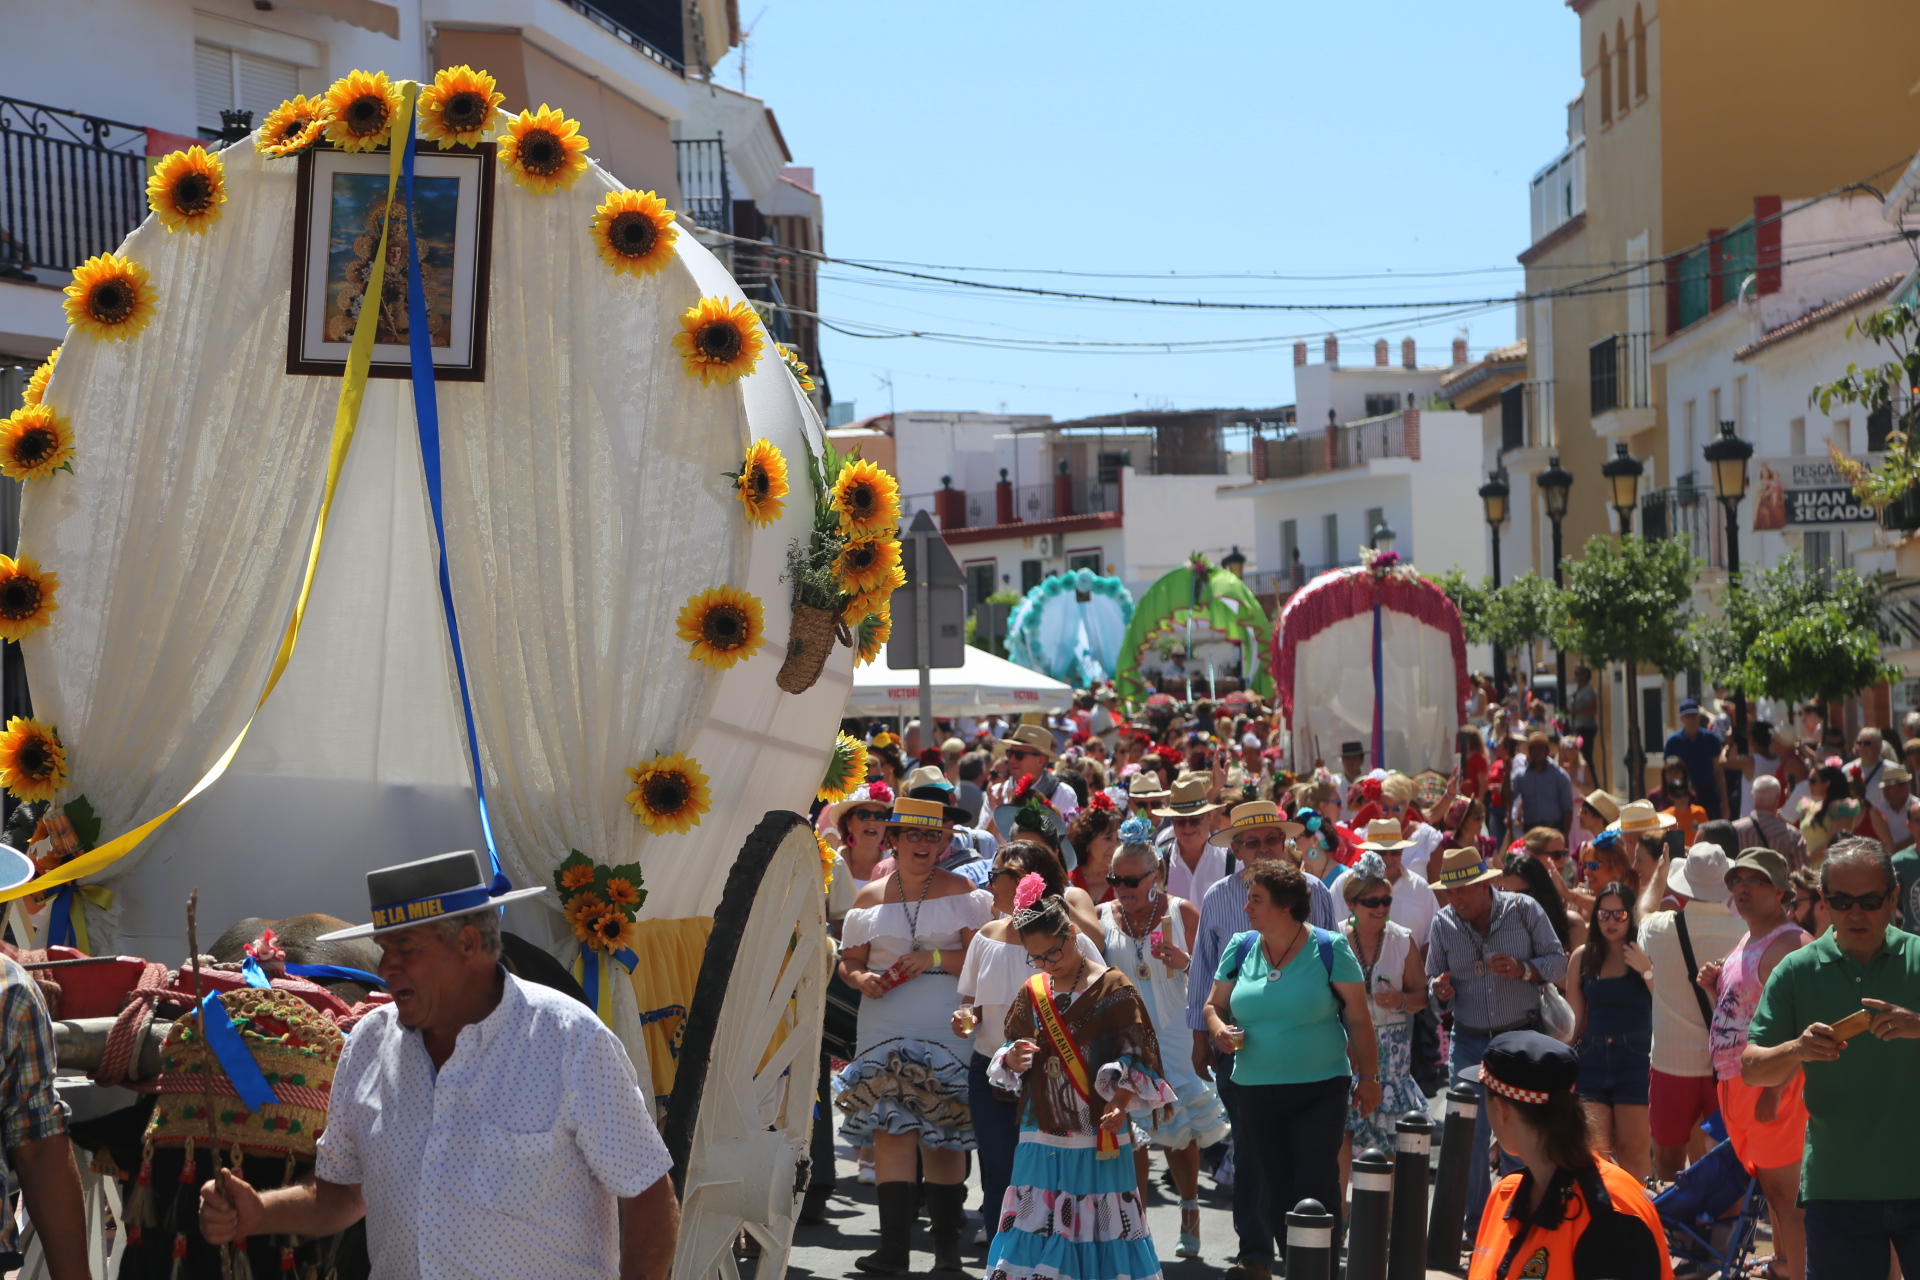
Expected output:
(1614, 915)
(1376, 902)
(1130, 882)
(1844, 902)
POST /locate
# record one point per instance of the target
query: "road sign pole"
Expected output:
(923, 620)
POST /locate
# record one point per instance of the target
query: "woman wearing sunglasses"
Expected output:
(1147, 935)
(1613, 1030)
(1396, 980)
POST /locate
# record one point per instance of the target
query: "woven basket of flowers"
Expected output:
(845, 570)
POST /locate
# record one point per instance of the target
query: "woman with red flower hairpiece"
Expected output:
(1094, 834)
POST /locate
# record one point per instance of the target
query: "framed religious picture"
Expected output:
(336, 235)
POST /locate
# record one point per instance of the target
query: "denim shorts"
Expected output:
(1613, 1069)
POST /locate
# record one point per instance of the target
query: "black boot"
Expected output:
(892, 1258)
(946, 1220)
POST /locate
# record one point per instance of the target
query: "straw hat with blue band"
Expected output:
(931, 814)
(414, 893)
(1253, 815)
(1462, 867)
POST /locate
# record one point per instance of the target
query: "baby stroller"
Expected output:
(1711, 1213)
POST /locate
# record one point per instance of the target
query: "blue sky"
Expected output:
(1278, 139)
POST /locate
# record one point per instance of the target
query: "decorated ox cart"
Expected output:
(541, 552)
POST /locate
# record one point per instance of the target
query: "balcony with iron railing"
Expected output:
(1558, 192)
(71, 186)
(1687, 511)
(1526, 417)
(1620, 384)
(706, 193)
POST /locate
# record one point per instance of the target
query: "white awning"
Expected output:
(984, 684)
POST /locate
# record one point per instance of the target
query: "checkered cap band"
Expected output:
(1506, 1090)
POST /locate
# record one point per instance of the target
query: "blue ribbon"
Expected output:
(1379, 696)
(412, 911)
(60, 918)
(426, 410)
(256, 976)
(232, 1052)
(336, 973)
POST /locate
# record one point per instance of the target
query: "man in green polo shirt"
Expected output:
(1859, 1182)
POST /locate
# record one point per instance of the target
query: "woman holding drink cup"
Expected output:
(1145, 935)
(1396, 981)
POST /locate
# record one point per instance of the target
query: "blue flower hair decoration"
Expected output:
(1319, 828)
(1136, 831)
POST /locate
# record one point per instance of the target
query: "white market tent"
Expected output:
(983, 684)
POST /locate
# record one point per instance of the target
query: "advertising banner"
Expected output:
(1806, 492)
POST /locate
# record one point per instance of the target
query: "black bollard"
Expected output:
(1367, 1229)
(1407, 1249)
(1445, 1227)
(1309, 1242)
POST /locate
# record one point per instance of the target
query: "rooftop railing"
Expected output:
(71, 186)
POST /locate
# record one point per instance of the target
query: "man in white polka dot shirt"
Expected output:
(485, 1127)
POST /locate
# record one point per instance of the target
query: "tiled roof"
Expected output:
(1817, 317)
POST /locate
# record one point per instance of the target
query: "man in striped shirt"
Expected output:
(1764, 827)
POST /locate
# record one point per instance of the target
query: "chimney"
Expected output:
(1257, 459)
(1332, 350)
(1299, 353)
(1459, 352)
(1380, 353)
(1409, 355)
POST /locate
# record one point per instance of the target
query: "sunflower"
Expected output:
(37, 385)
(622, 893)
(827, 856)
(762, 483)
(866, 564)
(872, 635)
(578, 876)
(458, 107)
(110, 297)
(867, 498)
(796, 366)
(33, 764)
(292, 127)
(846, 769)
(26, 597)
(863, 606)
(187, 189)
(634, 232)
(610, 931)
(543, 150)
(669, 793)
(361, 110)
(720, 341)
(34, 443)
(723, 625)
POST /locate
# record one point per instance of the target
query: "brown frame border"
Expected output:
(476, 369)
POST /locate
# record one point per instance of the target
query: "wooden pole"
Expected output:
(206, 1069)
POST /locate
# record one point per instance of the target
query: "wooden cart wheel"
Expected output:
(740, 1116)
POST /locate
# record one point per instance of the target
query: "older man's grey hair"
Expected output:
(1858, 851)
(1766, 792)
(487, 922)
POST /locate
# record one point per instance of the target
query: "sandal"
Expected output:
(867, 1176)
(1189, 1245)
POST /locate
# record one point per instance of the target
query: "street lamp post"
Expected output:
(1623, 472)
(1493, 496)
(1383, 537)
(1728, 455)
(1554, 483)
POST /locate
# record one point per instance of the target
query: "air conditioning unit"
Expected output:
(1046, 545)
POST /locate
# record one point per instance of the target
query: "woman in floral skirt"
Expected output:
(1396, 979)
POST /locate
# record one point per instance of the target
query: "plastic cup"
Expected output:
(1237, 1038)
(968, 1019)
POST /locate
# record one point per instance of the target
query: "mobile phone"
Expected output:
(1852, 1025)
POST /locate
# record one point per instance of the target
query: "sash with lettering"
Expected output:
(1106, 1145)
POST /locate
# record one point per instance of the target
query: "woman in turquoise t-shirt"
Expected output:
(1277, 1004)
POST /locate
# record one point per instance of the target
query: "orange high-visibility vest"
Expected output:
(1594, 1225)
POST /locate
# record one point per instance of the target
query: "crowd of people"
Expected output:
(1030, 915)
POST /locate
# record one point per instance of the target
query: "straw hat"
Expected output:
(1189, 799)
(862, 795)
(908, 812)
(1252, 816)
(448, 884)
(1605, 803)
(1385, 836)
(1145, 785)
(1462, 867)
(1640, 818)
(1029, 737)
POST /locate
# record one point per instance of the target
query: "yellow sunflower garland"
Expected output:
(720, 341)
(669, 793)
(762, 483)
(611, 931)
(543, 150)
(110, 297)
(26, 597)
(35, 442)
(724, 626)
(634, 232)
(292, 127)
(33, 764)
(459, 106)
(846, 769)
(36, 390)
(827, 856)
(360, 110)
(867, 498)
(796, 366)
(871, 636)
(187, 189)
(866, 564)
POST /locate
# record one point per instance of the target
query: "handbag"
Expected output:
(1554, 1014)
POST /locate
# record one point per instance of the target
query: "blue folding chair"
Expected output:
(1712, 1211)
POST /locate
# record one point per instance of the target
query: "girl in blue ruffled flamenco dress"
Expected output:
(1081, 1054)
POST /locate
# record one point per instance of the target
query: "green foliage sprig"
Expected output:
(1895, 382)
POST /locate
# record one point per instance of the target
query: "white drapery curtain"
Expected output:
(1333, 692)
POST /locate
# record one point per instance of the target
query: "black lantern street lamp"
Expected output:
(1234, 562)
(1493, 496)
(1728, 455)
(1383, 537)
(1623, 472)
(1554, 483)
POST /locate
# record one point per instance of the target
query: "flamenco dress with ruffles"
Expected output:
(1197, 1114)
(908, 1074)
(1073, 1210)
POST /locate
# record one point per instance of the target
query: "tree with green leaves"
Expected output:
(1793, 634)
(1882, 387)
(1509, 617)
(1626, 601)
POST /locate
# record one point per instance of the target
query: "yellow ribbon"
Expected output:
(346, 418)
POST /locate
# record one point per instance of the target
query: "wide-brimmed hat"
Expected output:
(1352, 749)
(1895, 773)
(1104, 695)
(1252, 816)
(1640, 818)
(1188, 799)
(931, 814)
(1462, 867)
(1030, 737)
(1703, 875)
(1764, 860)
(416, 893)
(1604, 803)
(929, 783)
(1145, 785)
(16, 868)
(862, 795)
(1384, 835)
